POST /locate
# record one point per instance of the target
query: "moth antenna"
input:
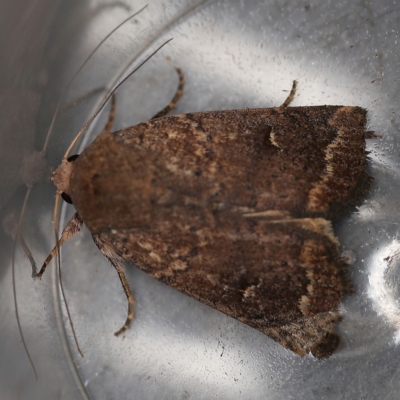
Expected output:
(55, 224)
(43, 151)
(49, 132)
(14, 286)
(27, 195)
(72, 228)
(57, 200)
(291, 95)
(76, 101)
(108, 98)
(66, 305)
(66, 234)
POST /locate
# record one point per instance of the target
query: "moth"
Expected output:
(232, 208)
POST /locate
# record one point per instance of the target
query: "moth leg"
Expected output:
(117, 262)
(178, 95)
(73, 227)
(111, 115)
(291, 95)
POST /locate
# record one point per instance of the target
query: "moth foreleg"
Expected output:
(291, 95)
(106, 248)
(73, 227)
(177, 96)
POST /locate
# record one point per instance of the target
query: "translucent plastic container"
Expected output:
(234, 54)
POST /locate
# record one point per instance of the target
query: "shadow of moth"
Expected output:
(232, 208)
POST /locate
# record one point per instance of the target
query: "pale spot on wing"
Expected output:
(249, 292)
(145, 245)
(178, 265)
(172, 134)
(155, 256)
(270, 214)
(214, 279)
(272, 138)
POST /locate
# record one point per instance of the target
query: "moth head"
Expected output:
(62, 176)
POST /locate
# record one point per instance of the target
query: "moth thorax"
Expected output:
(62, 176)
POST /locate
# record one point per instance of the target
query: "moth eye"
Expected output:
(66, 198)
(72, 158)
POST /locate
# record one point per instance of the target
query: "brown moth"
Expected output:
(232, 208)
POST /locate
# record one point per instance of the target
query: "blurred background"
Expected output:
(234, 54)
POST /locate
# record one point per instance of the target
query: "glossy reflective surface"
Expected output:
(234, 54)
